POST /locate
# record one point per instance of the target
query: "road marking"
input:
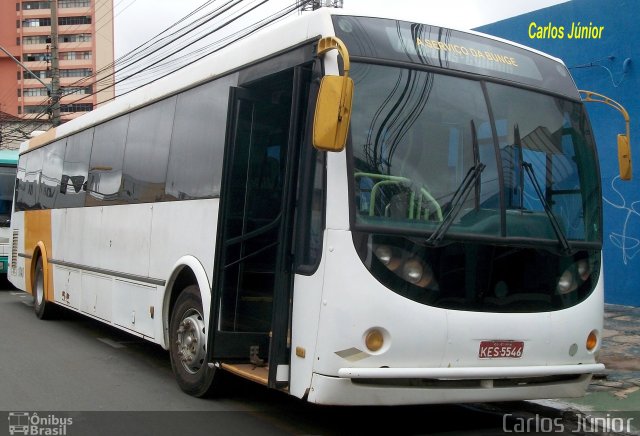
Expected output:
(111, 343)
(19, 294)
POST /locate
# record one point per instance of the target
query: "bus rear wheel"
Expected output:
(43, 308)
(187, 346)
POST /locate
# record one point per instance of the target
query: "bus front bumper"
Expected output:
(403, 386)
(469, 373)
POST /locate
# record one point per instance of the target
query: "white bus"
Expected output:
(450, 252)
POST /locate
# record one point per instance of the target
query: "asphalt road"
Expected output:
(81, 377)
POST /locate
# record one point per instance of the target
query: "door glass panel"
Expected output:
(254, 204)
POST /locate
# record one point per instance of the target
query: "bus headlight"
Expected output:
(404, 265)
(566, 283)
(385, 255)
(412, 271)
(584, 269)
(574, 276)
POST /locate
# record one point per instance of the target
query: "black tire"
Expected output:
(187, 346)
(43, 309)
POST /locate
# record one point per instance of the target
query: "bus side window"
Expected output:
(51, 181)
(310, 220)
(107, 158)
(74, 170)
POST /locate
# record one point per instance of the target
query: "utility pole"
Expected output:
(317, 4)
(55, 66)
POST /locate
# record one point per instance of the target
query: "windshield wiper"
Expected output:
(528, 168)
(457, 201)
(554, 221)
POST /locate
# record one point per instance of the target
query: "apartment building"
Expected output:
(85, 44)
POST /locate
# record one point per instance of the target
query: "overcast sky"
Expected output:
(136, 21)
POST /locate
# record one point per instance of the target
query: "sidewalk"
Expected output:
(615, 392)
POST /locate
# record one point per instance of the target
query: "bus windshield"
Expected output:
(7, 182)
(448, 157)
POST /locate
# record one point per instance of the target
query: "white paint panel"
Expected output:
(307, 300)
(353, 301)
(183, 228)
(124, 239)
(58, 232)
(66, 284)
(131, 306)
(81, 236)
(96, 295)
(420, 336)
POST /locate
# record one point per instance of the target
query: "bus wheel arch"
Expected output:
(187, 271)
(186, 314)
(39, 275)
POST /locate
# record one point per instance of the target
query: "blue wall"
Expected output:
(620, 40)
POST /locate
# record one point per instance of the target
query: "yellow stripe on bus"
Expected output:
(37, 237)
(42, 139)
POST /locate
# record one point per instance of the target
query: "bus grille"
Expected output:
(14, 250)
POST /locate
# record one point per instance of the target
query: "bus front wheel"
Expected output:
(187, 345)
(43, 308)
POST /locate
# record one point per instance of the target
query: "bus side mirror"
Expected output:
(333, 107)
(624, 146)
(333, 113)
(624, 157)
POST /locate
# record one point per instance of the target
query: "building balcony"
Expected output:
(35, 100)
(34, 48)
(33, 83)
(36, 65)
(36, 30)
(77, 28)
(34, 13)
(77, 98)
(76, 46)
(76, 63)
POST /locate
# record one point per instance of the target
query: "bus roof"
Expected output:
(267, 42)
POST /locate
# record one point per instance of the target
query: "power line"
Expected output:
(202, 52)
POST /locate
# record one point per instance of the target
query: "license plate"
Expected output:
(501, 349)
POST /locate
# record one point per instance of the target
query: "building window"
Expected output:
(68, 21)
(35, 92)
(36, 57)
(79, 72)
(75, 55)
(36, 109)
(34, 40)
(43, 74)
(36, 22)
(74, 90)
(83, 37)
(33, 5)
(74, 3)
(77, 107)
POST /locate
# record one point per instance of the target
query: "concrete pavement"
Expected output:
(612, 402)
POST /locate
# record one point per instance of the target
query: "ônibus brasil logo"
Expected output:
(32, 424)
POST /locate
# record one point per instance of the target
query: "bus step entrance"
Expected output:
(258, 374)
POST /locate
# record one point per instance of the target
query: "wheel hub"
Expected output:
(191, 342)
